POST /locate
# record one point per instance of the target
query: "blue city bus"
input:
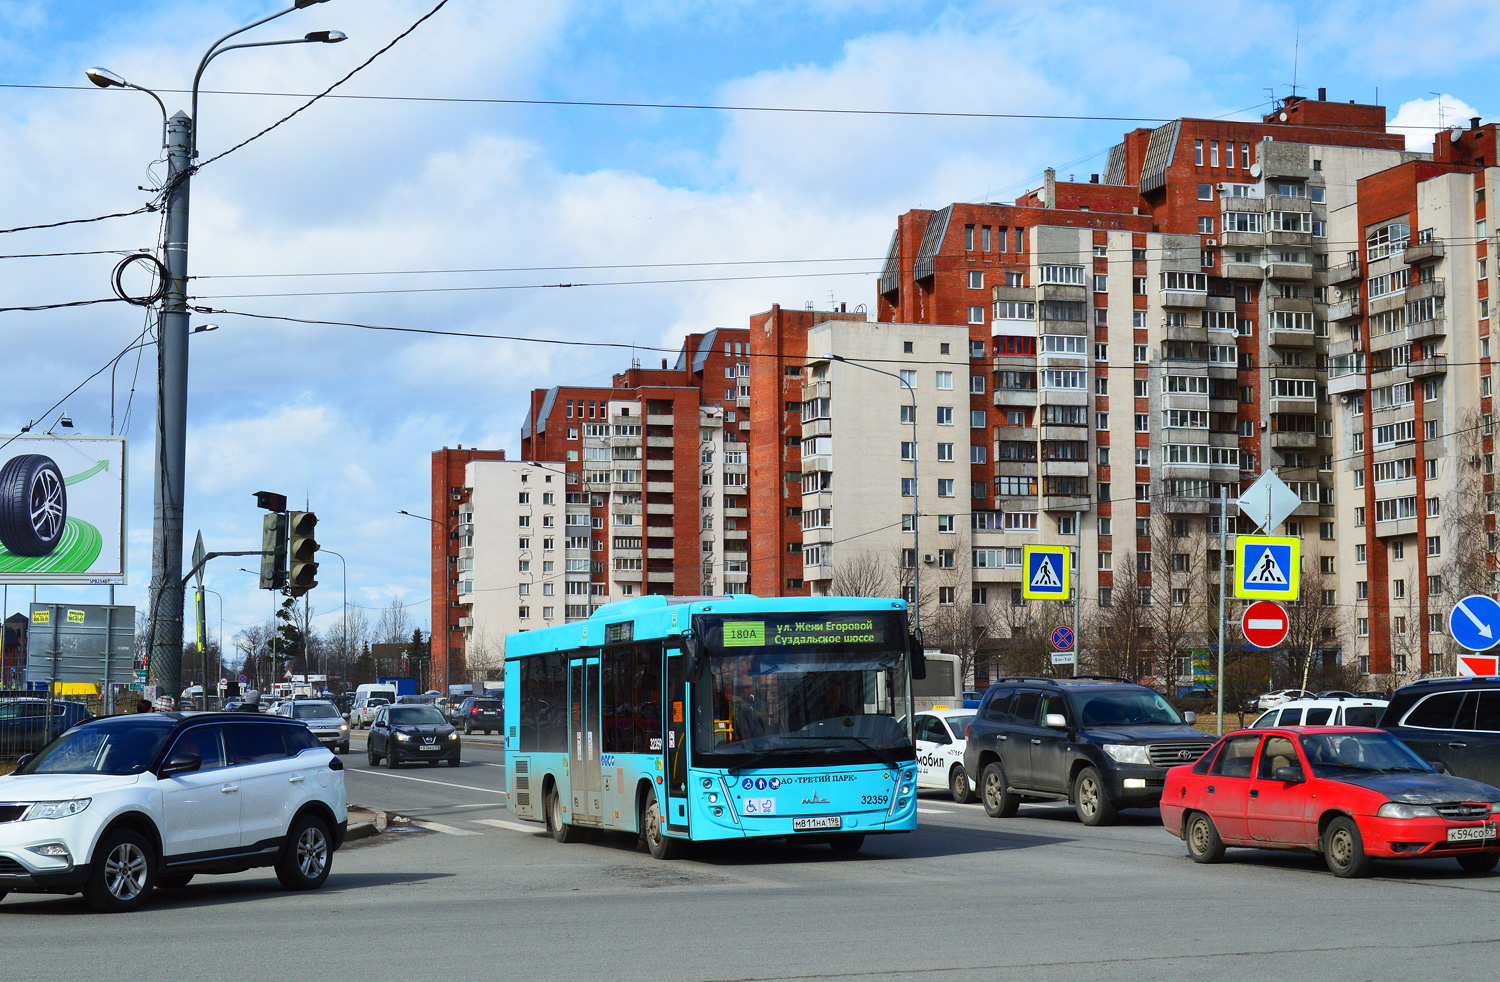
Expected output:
(705, 718)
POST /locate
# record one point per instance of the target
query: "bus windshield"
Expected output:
(815, 684)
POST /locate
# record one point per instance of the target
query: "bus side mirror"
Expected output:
(918, 656)
(692, 648)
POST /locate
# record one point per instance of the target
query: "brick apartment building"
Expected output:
(449, 495)
(1115, 353)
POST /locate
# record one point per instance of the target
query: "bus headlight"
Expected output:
(708, 782)
(713, 798)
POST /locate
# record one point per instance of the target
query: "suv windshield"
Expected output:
(124, 747)
(1124, 707)
(321, 710)
(486, 704)
(416, 716)
(1336, 755)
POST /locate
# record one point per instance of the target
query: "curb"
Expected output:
(364, 823)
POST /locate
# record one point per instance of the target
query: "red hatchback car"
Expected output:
(1348, 793)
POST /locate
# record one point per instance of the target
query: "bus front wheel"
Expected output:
(561, 830)
(658, 842)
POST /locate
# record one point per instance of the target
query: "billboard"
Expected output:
(88, 643)
(62, 510)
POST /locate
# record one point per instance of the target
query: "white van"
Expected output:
(361, 712)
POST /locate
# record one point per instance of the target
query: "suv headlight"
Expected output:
(1400, 809)
(1495, 808)
(1127, 753)
(57, 809)
(453, 735)
(402, 737)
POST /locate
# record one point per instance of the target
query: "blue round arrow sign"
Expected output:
(1474, 622)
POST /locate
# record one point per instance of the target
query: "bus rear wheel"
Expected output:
(661, 845)
(844, 844)
(561, 830)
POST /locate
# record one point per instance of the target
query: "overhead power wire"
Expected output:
(52, 255)
(80, 385)
(355, 71)
(533, 269)
(725, 107)
(59, 306)
(80, 221)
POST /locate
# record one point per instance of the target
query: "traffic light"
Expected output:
(302, 553)
(273, 552)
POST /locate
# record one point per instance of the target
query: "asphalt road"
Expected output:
(463, 890)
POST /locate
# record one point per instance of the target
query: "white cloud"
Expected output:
(1419, 119)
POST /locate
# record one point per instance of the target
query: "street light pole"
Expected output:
(344, 648)
(916, 495)
(180, 143)
(447, 605)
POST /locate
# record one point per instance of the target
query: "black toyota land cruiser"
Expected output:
(1100, 743)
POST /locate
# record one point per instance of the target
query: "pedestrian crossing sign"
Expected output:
(1267, 567)
(1047, 572)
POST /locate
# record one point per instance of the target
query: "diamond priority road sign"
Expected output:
(1268, 501)
(1474, 622)
(1267, 567)
(1265, 624)
(1047, 572)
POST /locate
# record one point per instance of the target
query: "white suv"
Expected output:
(117, 807)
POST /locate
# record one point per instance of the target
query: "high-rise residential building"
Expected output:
(1096, 365)
(449, 496)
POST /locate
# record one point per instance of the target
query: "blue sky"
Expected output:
(347, 418)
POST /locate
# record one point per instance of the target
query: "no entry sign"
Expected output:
(1265, 624)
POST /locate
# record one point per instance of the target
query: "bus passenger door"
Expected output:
(675, 711)
(583, 740)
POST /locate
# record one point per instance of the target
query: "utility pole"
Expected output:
(1077, 583)
(1223, 544)
(165, 604)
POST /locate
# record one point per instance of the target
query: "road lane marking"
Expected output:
(428, 780)
(440, 827)
(486, 763)
(513, 826)
(923, 809)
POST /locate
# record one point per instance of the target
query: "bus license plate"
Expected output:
(1471, 834)
(820, 823)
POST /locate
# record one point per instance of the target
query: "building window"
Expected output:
(1205, 192)
(1197, 153)
(945, 558)
(976, 278)
(1434, 545)
(945, 415)
(945, 452)
(976, 314)
(908, 450)
(945, 380)
(1205, 225)
(945, 596)
(945, 487)
(969, 238)
(908, 487)
(976, 419)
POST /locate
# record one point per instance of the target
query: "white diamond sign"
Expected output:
(1268, 502)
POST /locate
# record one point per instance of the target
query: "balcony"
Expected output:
(817, 390)
(1223, 405)
(660, 576)
(1283, 440)
(1344, 273)
(742, 402)
(1017, 294)
(660, 487)
(1423, 251)
(1417, 330)
(627, 575)
(1015, 397)
(1353, 381)
(1062, 291)
(1181, 298)
(659, 419)
(736, 513)
(1186, 332)
(654, 509)
(1070, 502)
(1436, 365)
(1293, 339)
(1172, 505)
(1283, 202)
(1065, 468)
(1243, 271)
(1342, 349)
(1396, 528)
(1345, 309)
(1301, 305)
(1302, 240)
(736, 535)
(1421, 291)
(659, 441)
(659, 463)
(1289, 271)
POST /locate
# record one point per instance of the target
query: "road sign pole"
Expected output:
(1077, 590)
(1223, 544)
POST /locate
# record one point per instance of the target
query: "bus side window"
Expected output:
(529, 679)
(648, 734)
(618, 698)
(553, 730)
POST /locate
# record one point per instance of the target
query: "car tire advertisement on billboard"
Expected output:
(62, 510)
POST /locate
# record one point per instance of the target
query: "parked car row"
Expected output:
(1334, 773)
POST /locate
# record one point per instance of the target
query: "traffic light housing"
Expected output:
(302, 553)
(273, 552)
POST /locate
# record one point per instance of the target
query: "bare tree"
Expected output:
(1467, 530)
(1178, 611)
(395, 624)
(486, 655)
(863, 574)
(1314, 628)
(1122, 633)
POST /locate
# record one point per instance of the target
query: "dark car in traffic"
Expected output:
(1454, 722)
(480, 713)
(402, 734)
(24, 726)
(1101, 744)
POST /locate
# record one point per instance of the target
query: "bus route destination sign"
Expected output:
(793, 632)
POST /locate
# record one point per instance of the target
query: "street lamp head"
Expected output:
(104, 78)
(304, 4)
(205, 328)
(834, 357)
(325, 37)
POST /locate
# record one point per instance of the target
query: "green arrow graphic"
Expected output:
(80, 547)
(103, 465)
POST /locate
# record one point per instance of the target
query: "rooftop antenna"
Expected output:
(1296, 50)
(1440, 106)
